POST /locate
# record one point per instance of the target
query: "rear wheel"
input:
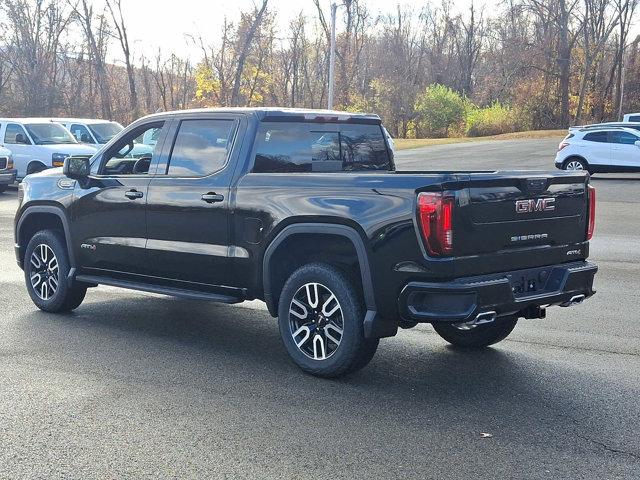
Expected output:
(46, 267)
(478, 336)
(575, 164)
(321, 322)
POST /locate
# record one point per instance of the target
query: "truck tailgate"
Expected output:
(520, 211)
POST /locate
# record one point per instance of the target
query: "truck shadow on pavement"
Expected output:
(209, 347)
(174, 360)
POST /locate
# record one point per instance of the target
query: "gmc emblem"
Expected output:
(536, 205)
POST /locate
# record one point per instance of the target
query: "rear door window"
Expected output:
(596, 137)
(285, 147)
(201, 147)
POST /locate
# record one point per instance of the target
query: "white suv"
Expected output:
(37, 144)
(606, 149)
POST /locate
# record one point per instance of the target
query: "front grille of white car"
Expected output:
(3, 163)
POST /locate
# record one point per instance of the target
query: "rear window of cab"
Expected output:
(287, 147)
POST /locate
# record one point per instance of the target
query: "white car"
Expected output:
(38, 144)
(631, 117)
(97, 133)
(605, 149)
(634, 125)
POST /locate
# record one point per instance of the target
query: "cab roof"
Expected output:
(266, 114)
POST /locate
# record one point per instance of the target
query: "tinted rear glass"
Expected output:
(283, 147)
(596, 137)
(634, 118)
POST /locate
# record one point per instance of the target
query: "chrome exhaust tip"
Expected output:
(481, 318)
(575, 300)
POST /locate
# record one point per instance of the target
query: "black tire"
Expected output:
(353, 351)
(63, 298)
(3, 188)
(480, 336)
(576, 161)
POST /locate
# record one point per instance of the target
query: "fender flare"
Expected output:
(374, 326)
(51, 210)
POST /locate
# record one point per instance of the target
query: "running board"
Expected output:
(146, 287)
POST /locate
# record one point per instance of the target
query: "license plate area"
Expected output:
(536, 281)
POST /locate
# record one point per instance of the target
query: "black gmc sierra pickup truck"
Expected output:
(304, 210)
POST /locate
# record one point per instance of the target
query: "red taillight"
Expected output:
(435, 215)
(591, 191)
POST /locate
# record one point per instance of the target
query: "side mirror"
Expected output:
(85, 138)
(77, 167)
(637, 143)
(20, 138)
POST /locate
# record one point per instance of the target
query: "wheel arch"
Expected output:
(32, 219)
(34, 163)
(373, 325)
(576, 157)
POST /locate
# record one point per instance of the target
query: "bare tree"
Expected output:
(245, 45)
(96, 38)
(32, 49)
(119, 24)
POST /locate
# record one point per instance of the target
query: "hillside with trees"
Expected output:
(526, 64)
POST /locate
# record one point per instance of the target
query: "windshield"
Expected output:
(49, 133)
(105, 131)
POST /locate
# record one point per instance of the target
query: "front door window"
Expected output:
(129, 155)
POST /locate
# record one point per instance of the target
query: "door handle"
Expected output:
(212, 197)
(133, 194)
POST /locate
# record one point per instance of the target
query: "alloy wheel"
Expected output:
(316, 321)
(44, 272)
(574, 165)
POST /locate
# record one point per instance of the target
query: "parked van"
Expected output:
(97, 133)
(7, 172)
(631, 117)
(92, 132)
(38, 144)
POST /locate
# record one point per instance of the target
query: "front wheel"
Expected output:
(46, 267)
(478, 336)
(320, 316)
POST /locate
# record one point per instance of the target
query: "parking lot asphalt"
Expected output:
(135, 385)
